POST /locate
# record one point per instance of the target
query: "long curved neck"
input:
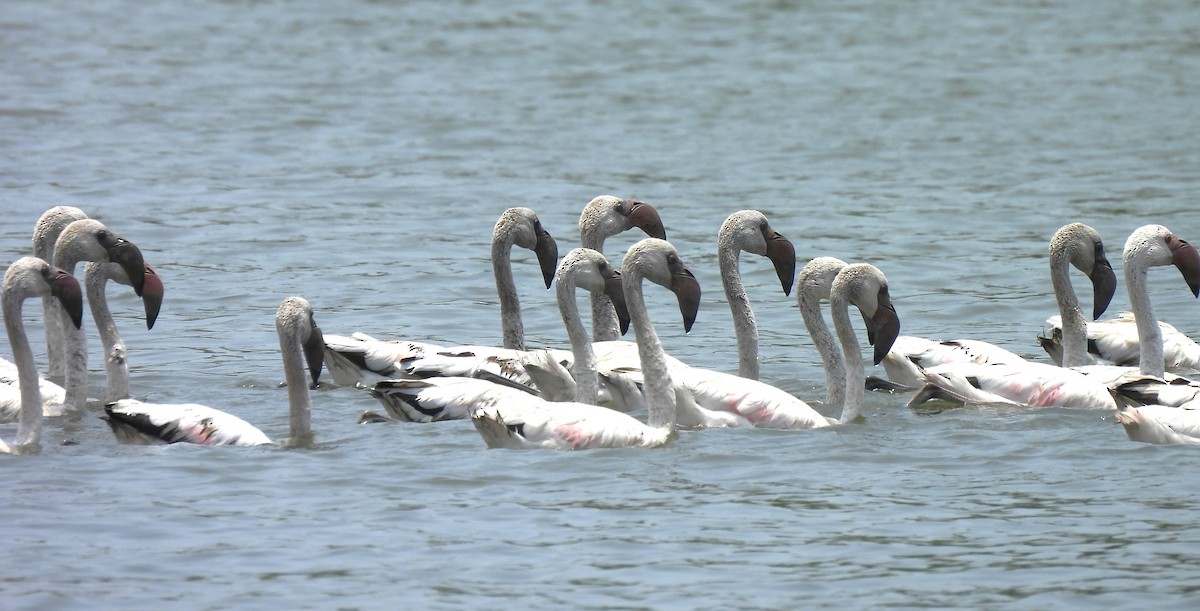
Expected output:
(744, 326)
(660, 396)
(1149, 335)
(831, 354)
(1074, 325)
(299, 401)
(29, 429)
(45, 235)
(506, 289)
(74, 345)
(52, 314)
(587, 388)
(116, 368)
(856, 375)
(605, 327)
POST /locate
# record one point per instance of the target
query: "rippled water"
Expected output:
(359, 153)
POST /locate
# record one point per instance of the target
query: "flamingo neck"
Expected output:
(605, 326)
(587, 388)
(855, 383)
(660, 396)
(116, 368)
(299, 401)
(506, 289)
(1149, 335)
(74, 343)
(1074, 325)
(45, 235)
(744, 326)
(831, 354)
(29, 427)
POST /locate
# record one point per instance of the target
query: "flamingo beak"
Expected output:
(884, 326)
(616, 292)
(129, 257)
(314, 352)
(1104, 285)
(687, 291)
(547, 254)
(644, 217)
(152, 295)
(1187, 260)
(783, 256)
(66, 289)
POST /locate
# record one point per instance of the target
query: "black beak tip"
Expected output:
(547, 254)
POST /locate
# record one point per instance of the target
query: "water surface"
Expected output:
(359, 153)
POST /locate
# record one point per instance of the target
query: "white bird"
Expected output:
(90, 240)
(750, 231)
(603, 217)
(606, 373)
(1073, 244)
(141, 423)
(1160, 424)
(518, 226)
(1155, 245)
(765, 406)
(31, 277)
(1030, 383)
(1148, 246)
(577, 426)
(359, 359)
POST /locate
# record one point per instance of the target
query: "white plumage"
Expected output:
(26, 278)
(301, 346)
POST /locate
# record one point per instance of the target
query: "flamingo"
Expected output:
(1031, 383)
(765, 406)
(31, 277)
(576, 426)
(750, 231)
(135, 422)
(1074, 244)
(91, 240)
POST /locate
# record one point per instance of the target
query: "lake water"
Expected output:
(359, 153)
